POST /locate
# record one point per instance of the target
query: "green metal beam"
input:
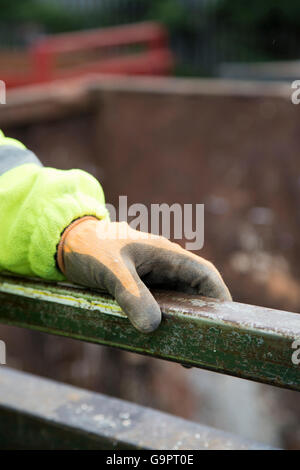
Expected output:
(236, 339)
(37, 413)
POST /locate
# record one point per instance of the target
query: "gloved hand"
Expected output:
(112, 256)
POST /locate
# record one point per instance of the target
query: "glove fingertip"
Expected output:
(148, 324)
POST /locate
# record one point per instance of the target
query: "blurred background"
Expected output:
(170, 101)
(205, 35)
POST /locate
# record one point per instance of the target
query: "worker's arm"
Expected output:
(36, 205)
(54, 225)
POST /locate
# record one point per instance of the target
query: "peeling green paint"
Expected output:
(236, 339)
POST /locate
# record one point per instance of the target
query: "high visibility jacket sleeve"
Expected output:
(36, 205)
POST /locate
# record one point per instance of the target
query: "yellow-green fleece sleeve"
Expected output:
(36, 205)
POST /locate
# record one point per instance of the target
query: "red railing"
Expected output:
(140, 49)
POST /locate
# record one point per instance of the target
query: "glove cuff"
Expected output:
(60, 252)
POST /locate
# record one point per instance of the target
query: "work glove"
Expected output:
(112, 256)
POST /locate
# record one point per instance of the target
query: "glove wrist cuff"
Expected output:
(60, 251)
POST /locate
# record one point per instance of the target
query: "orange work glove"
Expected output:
(113, 257)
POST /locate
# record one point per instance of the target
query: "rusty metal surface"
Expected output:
(41, 414)
(236, 339)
